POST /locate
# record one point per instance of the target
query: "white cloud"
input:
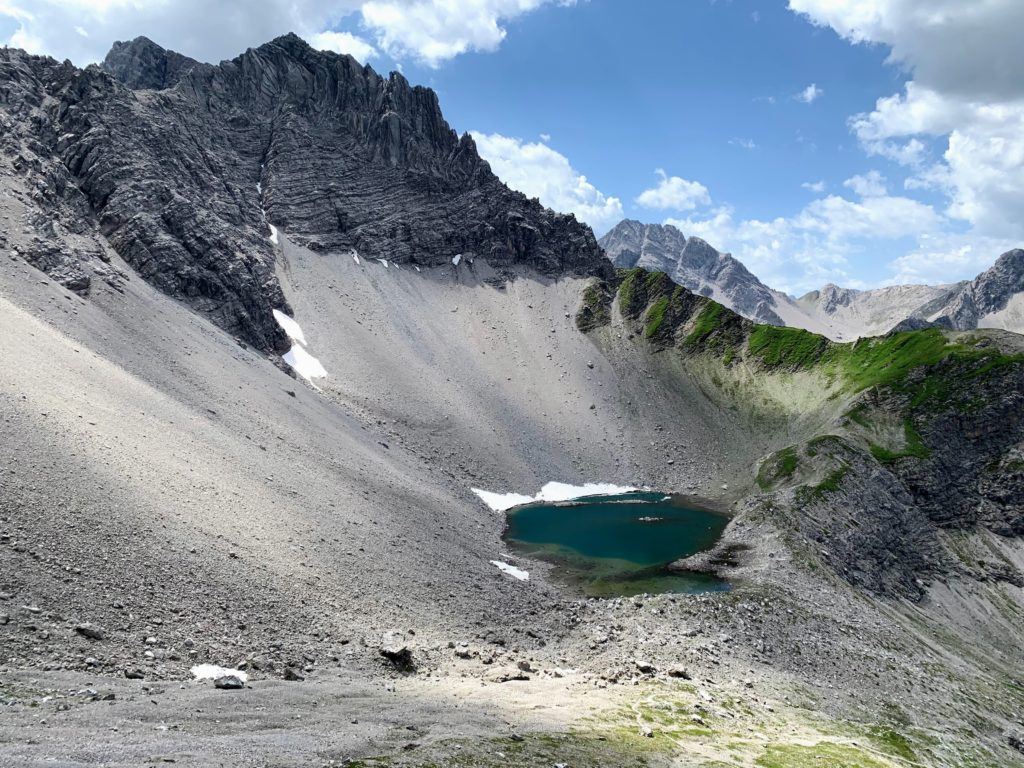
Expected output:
(430, 31)
(943, 258)
(537, 170)
(818, 244)
(971, 49)
(814, 186)
(344, 42)
(674, 193)
(809, 94)
(545, 137)
(743, 143)
(433, 31)
(870, 184)
(965, 61)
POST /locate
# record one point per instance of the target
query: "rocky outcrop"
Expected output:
(142, 64)
(694, 264)
(182, 166)
(989, 293)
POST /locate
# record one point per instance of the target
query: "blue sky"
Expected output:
(861, 142)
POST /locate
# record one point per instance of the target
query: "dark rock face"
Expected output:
(141, 63)
(989, 292)
(969, 303)
(693, 264)
(183, 174)
(881, 530)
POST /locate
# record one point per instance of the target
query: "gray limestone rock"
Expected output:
(181, 167)
(693, 264)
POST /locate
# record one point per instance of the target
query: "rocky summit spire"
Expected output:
(142, 64)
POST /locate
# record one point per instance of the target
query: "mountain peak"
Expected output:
(693, 263)
(336, 157)
(142, 64)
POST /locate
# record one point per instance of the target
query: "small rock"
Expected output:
(134, 674)
(646, 731)
(645, 667)
(228, 683)
(90, 631)
(679, 672)
(291, 675)
(395, 650)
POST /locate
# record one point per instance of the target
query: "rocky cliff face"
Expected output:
(988, 294)
(694, 264)
(182, 168)
(141, 63)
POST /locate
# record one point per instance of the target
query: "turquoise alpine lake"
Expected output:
(621, 545)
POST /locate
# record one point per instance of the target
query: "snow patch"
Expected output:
(273, 234)
(290, 327)
(384, 262)
(500, 502)
(511, 570)
(355, 257)
(553, 491)
(297, 357)
(259, 187)
(212, 672)
(304, 363)
(456, 259)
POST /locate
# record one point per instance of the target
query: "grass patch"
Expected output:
(627, 290)
(792, 348)
(824, 755)
(914, 447)
(777, 467)
(707, 321)
(831, 484)
(892, 742)
(593, 312)
(856, 415)
(655, 317)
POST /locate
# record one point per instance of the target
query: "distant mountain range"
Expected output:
(994, 299)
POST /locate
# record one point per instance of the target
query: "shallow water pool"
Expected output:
(609, 546)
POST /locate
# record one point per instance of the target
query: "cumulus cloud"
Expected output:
(817, 245)
(870, 184)
(809, 94)
(429, 31)
(965, 87)
(937, 257)
(674, 193)
(814, 186)
(970, 49)
(537, 170)
(434, 31)
(344, 42)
